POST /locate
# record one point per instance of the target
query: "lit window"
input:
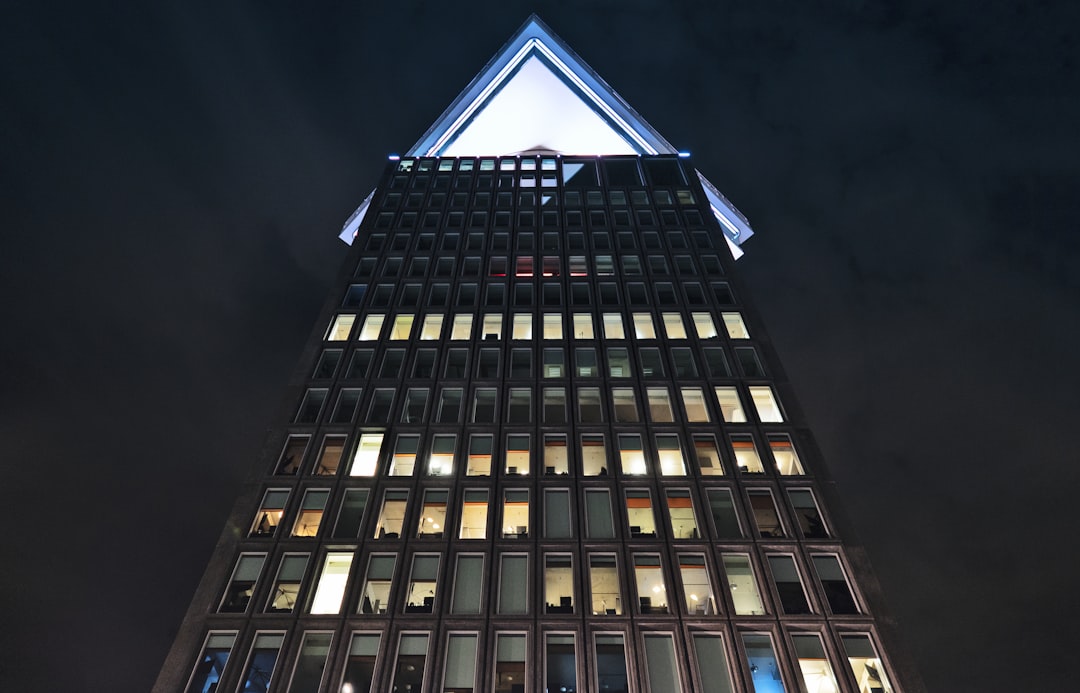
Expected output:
(375, 594)
(524, 266)
(517, 453)
(694, 403)
(286, 591)
(558, 584)
(788, 585)
(264, 655)
(269, 515)
(639, 513)
(764, 400)
(746, 456)
(744, 590)
(865, 664)
(403, 462)
(411, 662)
(360, 666)
(708, 455)
(735, 326)
(462, 327)
(492, 326)
(560, 663)
(402, 327)
(311, 662)
(673, 326)
(515, 521)
(593, 454)
(631, 454)
(669, 454)
(474, 515)
(835, 585)
(816, 671)
(392, 514)
(583, 326)
(479, 462)
(432, 521)
(441, 461)
(367, 455)
(211, 663)
(555, 457)
(626, 410)
(697, 587)
(703, 323)
(613, 326)
(651, 586)
(730, 404)
(423, 582)
(681, 512)
(783, 452)
(513, 585)
(372, 328)
(660, 404)
(340, 328)
(552, 326)
(604, 591)
(522, 326)
(311, 514)
(242, 583)
(761, 658)
(643, 326)
(432, 328)
(330, 589)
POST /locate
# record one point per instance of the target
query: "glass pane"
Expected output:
(510, 663)
(412, 656)
(611, 664)
(460, 674)
(513, 585)
(264, 656)
(816, 671)
(604, 590)
(764, 670)
(467, 585)
(712, 663)
(651, 587)
(557, 514)
(211, 663)
(598, 514)
(865, 664)
(660, 663)
(311, 662)
(560, 670)
(743, 586)
(330, 589)
(360, 666)
(696, 585)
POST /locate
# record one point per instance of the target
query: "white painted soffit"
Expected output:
(537, 94)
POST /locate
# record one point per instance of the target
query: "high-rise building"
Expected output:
(539, 441)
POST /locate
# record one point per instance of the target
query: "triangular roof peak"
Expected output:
(538, 95)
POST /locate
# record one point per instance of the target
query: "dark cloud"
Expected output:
(173, 178)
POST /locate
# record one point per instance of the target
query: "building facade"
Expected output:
(539, 442)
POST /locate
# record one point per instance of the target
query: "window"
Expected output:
(510, 653)
(411, 662)
(712, 665)
(555, 455)
(522, 326)
(613, 326)
(708, 455)
(604, 590)
(643, 326)
(694, 403)
(558, 584)
(432, 328)
(360, 363)
(460, 674)
(264, 656)
(345, 409)
(585, 362)
(479, 462)
(375, 594)
(583, 326)
(681, 512)
(519, 406)
(557, 514)
(311, 406)
(423, 581)
(311, 662)
(765, 516)
(513, 585)
(704, 325)
(381, 403)
(327, 364)
(292, 455)
(392, 514)
(788, 585)
(341, 327)
(518, 453)
(673, 326)
(515, 514)
(598, 521)
(590, 407)
(311, 513)
(242, 583)
(619, 362)
(768, 409)
(669, 454)
(730, 405)
(441, 460)
(483, 407)
(448, 408)
(462, 327)
(749, 362)
(552, 326)
(864, 661)
(402, 327)
(746, 455)
(697, 587)
(432, 522)
(717, 362)
(554, 363)
(286, 591)
(626, 410)
(761, 658)
(552, 295)
(660, 662)
(403, 462)
(211, 663)
(360, 666)
(652, 364)
(415, 408)
(366, 458)
(330, 588)
(651, 586)
(554, 405)
(784, 455)
(631, 454)
(392, 362)
(593, 454)
(835, 585)
(474, 514)
(560, 670)
(744, 591)
(269, 515)
(351, 514)
(725, 518)
(333, 448)
(639, 513)
(735, 326)
(807, 514)
(660, 404)
(683, 359)
(372, 328)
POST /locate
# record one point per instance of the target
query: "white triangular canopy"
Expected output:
(537, 95)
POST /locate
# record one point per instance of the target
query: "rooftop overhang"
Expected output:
(536, 94)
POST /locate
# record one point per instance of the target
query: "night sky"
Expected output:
(173, 179)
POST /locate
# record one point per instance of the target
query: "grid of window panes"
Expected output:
(540, 447)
